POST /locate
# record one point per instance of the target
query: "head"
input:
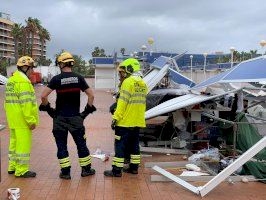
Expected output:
(65, 60)
(26, 64)
(127, 67)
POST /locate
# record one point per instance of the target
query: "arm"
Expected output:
(28, 104)
(90, 95)
(123, 100)
(45, 94)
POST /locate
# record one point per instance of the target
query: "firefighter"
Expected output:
(128, 118)
(22, 116)
(66, 116)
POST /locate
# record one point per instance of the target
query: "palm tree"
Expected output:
(44, 36)
(253, 53)
(33, 27)
(122, 50)
(17, 33)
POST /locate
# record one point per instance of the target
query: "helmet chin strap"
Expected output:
(25, 72)
(65, 65)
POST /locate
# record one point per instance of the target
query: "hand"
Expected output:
(88, 110)
(44, 107)
(113, 124)
(32, 127)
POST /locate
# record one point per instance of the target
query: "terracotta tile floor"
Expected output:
(47, 185)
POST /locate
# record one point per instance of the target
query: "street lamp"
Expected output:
(205, 59)
(143, 48)
(262, 44)
(191, 57)
(150, 41)
(232, 50)
(135, 54)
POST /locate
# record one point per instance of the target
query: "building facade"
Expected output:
(6, 40)
(7, 46)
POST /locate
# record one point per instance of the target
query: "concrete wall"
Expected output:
(105, 78)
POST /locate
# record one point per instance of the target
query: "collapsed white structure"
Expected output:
(251, 71)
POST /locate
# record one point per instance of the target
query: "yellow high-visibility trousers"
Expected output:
(19, 151)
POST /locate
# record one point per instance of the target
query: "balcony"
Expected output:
(7, 42)
(7, 50)
(6, 36)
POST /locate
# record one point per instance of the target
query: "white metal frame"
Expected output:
(3, 79)
(204, 190)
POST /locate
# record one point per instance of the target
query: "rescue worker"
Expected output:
(67, 117)
(128, 118)
(22, 117)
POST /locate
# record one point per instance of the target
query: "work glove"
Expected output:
(112, 108)
(113, 124)
(88, 110)
(47, 108)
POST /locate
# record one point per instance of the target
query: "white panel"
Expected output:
(3, 79)
(233, 167)
(150, 75)
(176, 179)
(155, 76)
(180, 102)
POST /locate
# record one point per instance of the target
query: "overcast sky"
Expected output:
(195, 26)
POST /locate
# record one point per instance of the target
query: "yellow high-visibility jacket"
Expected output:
(131, 104)
(20, 102)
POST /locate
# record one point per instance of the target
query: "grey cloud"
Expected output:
(194, 25)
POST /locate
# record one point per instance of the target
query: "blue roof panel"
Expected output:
(103, 60)
(248, 71)
(180, 79)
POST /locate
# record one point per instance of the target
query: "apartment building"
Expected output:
(6, 40)
(7, 43)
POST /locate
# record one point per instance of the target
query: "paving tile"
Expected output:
(47, 184)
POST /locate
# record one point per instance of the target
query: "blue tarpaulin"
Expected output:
(173, 75)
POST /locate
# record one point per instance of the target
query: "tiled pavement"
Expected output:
(47, 185)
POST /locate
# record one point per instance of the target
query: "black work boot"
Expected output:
(87, 171)
(28, 174)
(64, 175)
(11, 172)
(111, 173)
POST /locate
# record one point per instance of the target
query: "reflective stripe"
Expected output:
(21, 101)
(118, 164)
(85, 158)
(23, 155)
(118, 159)
(125, 92)
(11, 94)
(23, 161)
(135, 161)
(85, 163)
(117, 137)
(11, 152)
(65, 165)
(26, 93)
(137, 102)
(124, 99)
(63, 160)
(139, 95)
(135, 156)
(12, 158)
